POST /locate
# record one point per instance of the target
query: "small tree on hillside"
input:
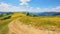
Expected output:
(27, 13)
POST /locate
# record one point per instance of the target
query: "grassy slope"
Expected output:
(42, 22)
(4, 23)
(39, 22)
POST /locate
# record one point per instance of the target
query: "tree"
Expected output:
(27, 14)
(1, 15)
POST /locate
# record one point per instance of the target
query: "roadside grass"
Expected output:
(41, 22)
(4, 23)
(4, 26)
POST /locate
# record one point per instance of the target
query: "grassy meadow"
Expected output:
(40, 22)
(50, 23)
(4, 21)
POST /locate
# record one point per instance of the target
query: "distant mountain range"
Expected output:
(46, 13)
(40, 13)
(4, 12)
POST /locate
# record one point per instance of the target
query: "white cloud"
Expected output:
(8, 7)
(24, 2)
(55, 9)
(4, 6)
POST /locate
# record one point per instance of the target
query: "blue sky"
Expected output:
(46, 3)
(36, 5)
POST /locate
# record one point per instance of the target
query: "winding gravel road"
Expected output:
(16, 27)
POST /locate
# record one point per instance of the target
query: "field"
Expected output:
(50, 23)
(40, 22)
(4, 23)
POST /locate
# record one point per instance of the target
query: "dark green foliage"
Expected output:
(5, 16)
(1, 15)
(27, 14)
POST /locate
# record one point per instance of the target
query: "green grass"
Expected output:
(43, 22)
(4, 26)
(4, 23)
(5, 30)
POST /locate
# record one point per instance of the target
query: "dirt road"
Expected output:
(16, 27)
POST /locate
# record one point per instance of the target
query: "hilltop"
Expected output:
(51, 23)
